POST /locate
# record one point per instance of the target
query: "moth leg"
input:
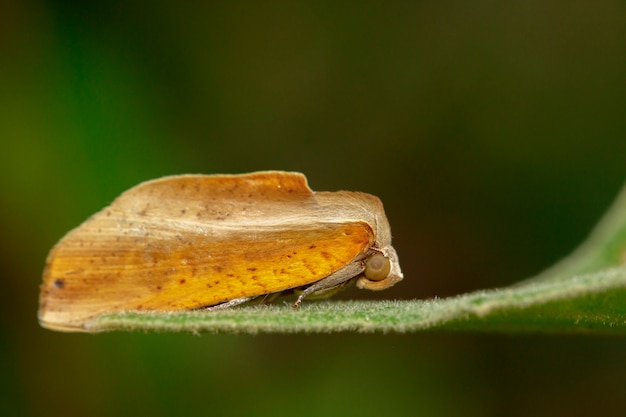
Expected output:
(271, 297)
(332, 283)
(328, 292)
(229, 304)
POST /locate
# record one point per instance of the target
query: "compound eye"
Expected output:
(377, 267)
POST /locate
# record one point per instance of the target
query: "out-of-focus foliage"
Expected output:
(493, 132)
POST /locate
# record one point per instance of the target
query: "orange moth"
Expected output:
(214, 241)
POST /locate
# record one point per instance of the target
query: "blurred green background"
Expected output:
(494, 132)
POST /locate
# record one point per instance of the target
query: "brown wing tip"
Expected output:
(259, 184)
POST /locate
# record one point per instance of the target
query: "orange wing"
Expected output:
(192, 241)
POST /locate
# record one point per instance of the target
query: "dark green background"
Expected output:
(494, 132)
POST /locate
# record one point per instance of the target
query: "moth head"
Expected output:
(382, 270)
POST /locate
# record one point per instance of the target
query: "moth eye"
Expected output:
(377, 267)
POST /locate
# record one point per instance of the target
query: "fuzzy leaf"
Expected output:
(584, 293)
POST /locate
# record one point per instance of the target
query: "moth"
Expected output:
(215, 241)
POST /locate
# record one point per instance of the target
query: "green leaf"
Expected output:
(584, 293)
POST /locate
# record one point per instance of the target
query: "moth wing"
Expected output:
(191, 241)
